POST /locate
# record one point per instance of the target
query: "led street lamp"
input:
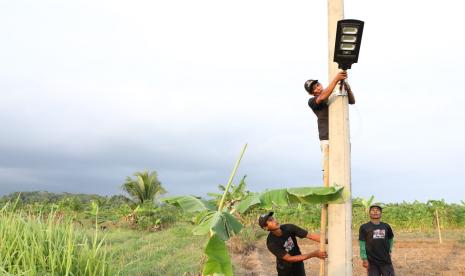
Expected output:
(348, 39)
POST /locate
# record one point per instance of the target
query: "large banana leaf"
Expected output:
(279, 197)
(199, 217)
(218, 262)
(189, 203)
(222, 224)
(289, 196)
(205, 224)
(317, 195)
(250, 200)
(227, 226)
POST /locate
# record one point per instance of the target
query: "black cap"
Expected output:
(309, 85)
(377, 205)
(264, 218)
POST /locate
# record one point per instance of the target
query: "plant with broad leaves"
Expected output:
(219, 222)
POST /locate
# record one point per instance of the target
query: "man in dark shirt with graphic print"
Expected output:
(282, 243)
(376, 239)
(319, 102)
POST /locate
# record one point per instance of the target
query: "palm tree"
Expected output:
(145, 186)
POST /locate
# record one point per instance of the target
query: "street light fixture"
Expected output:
(348, 39)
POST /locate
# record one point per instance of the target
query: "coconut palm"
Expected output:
(145, 186)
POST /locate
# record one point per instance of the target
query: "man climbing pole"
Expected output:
(319, 102)
(320, 106)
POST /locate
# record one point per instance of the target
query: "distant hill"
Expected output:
(47, 197)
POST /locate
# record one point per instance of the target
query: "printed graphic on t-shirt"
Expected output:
(289, 244)
(379, 233)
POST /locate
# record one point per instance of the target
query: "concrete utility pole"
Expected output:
(339, 215)
(324, 209)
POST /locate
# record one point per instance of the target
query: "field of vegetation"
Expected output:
(44, 233)
(91, 235)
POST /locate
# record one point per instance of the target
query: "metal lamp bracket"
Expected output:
(339, 90)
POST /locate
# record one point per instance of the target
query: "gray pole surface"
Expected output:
(339, 215)
(324, 210)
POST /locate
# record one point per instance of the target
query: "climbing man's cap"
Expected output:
(309, 85)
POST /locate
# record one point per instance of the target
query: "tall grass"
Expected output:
(173, 251)
(46, 244)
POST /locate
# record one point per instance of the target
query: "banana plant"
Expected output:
(367, 203)
(234, 195)
(220, 223)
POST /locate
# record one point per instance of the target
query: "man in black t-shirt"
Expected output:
(376, 239)
(319, 102)
(282, 243)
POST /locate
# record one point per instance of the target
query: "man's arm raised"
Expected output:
(341, 75)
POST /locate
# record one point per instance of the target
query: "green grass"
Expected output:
(174, 251)
(32, 243)
(44, 245)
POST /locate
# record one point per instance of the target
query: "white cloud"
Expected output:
(179, 86)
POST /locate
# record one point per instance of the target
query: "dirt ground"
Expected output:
(411, 256)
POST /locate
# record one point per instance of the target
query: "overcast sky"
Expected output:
(92, 91)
